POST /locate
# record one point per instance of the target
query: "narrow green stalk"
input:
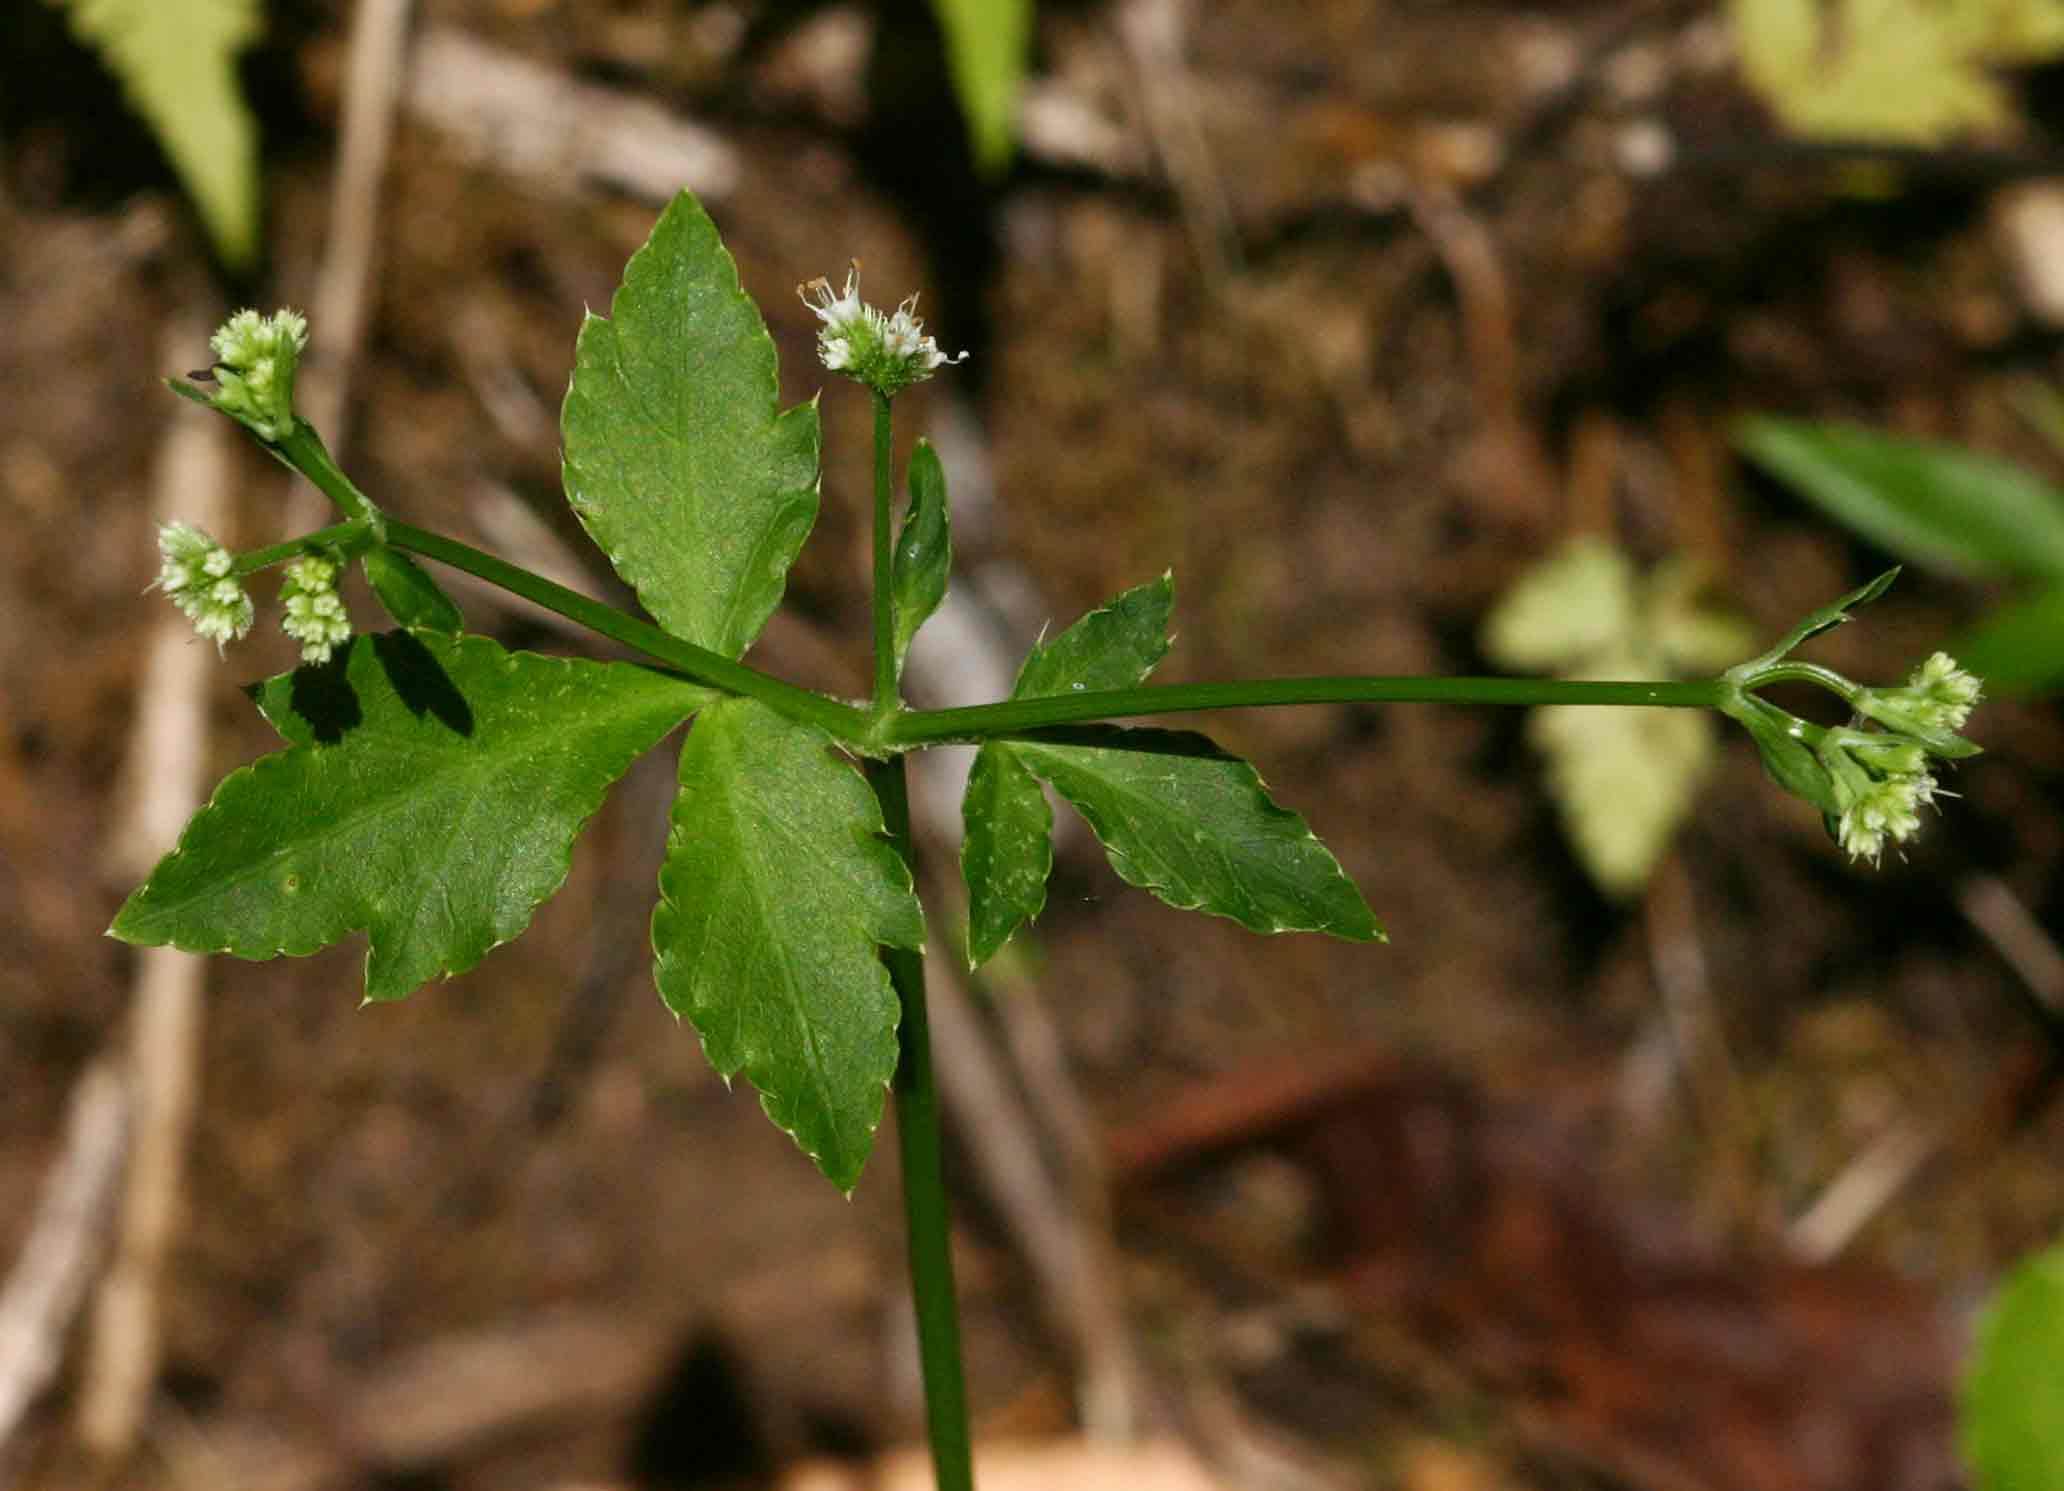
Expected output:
(1797, 672)
(1020, 716)
(337, 534)
(699, 663)
(884, 564)
(305, 452)
(925, 1208)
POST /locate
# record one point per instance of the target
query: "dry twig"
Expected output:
(50, 1280)
(165, 762)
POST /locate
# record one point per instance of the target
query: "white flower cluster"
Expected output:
(887, 351)
(315, 615)
(1883, 778)
(255, 361)
(1938, 696)
(195, 573)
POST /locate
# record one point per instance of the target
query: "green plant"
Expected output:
(1947, 508)
(788, 929)
(2011, 1412)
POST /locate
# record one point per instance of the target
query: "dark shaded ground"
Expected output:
(1294, 406)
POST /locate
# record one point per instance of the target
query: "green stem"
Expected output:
(1796, 672)
(925, 1208)
(840, 720)
(337, 535)
(1021, 716)
(884, 564)
(304, 450)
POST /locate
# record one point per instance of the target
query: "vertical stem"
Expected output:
(925, 1209)
(884, 573)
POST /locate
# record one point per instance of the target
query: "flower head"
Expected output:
(1933, 704)
(196, 574)
(253, 377)
(887, 352)
(314, 612)
(1881, 782)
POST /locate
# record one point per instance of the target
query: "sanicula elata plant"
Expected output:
(788, 930)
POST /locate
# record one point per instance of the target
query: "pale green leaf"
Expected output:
(777, 892)
(987, 46)
(429, 797)
(177, 63)
(1578, 602)
(1907, 71)
(1623, 779)
(678, 458)
(2011, 1414)
(1693, 637)
(1179, 817)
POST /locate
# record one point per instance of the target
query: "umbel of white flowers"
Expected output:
(314, 612)
(196, 575)
(253, 377)
(887, 351)
(1883, 778)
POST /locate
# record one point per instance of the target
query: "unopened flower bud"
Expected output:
(314, 613)
(253, 378)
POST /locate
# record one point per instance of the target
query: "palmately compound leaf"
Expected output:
(177, 63)
(1175, 814)
(777, 893)
(429, 797)
(2011, 1413)
(679, 460)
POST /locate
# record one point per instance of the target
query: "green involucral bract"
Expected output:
(1175, 815)
(777, 893)
(679, 460)
(429, 797)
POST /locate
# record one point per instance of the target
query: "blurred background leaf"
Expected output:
(177, 63)
(1946, 508)
(2013, 1401)
(1909, 71)
(1623, 779)
(987, 43)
